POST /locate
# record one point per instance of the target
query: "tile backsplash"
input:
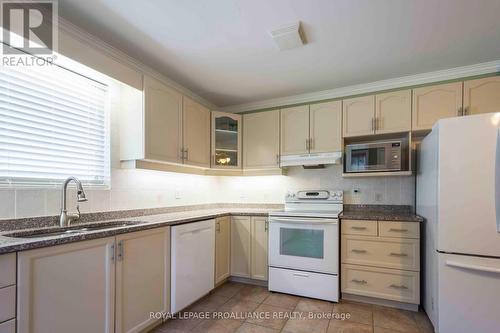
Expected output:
(136, 189)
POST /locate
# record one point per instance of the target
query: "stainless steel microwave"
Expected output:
(374, 156)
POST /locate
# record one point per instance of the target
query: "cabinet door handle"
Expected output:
(466, 111)
(460, 111)
(187, 153)
(373, 124)
(307, 144)
(112, 252)
(120, 251)
(311, 143)
(278, 159)
(359, 281)
(217, 227)
(266, 226)
(358, 251)
(398, 254)
(401, 287)
(398, 230)
(358, 228)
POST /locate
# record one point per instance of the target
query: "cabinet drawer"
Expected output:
(7, 303)
(359, 227)
(8, 326)
(399, 229)
(7, 270)
(396, 285)
(381, 252)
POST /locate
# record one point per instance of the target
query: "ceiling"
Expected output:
(222, 51)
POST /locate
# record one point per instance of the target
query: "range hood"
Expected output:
(311, 160)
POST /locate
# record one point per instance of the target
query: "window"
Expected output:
(54, 123)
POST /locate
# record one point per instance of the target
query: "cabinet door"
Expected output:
(261, 140)
(326, 127)
(393, 112)
(222, 249)
(226, 140)
(295, 130)
(142, 278)
(259, 248)
(482, 95)
(241, 240)
(163, 122)
(67, 288)
(196, 133)
(358, 116)
(435, 102)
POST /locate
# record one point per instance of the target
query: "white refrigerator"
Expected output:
(458, 194)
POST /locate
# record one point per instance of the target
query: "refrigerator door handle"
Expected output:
(473, 267)
(497, 180)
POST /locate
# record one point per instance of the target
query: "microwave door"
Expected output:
(372, 158)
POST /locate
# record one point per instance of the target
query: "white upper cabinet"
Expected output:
(196, 134)
(432, 103)
(482, 95)
(326, 127)
(226, 140)
(393, 112)
(359, 116)
(162, 122)
(295, 130)
(261, 140)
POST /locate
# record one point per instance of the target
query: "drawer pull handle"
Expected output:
(359, 281)
(358, 228)
(398, 230)
(394, 286)
(301, 275)
(358, 251)
(398, 254)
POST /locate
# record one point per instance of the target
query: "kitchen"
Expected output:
(222, 178)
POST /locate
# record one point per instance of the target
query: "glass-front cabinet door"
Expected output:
(226, 140)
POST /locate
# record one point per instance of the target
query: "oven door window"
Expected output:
(302, 242)
(365, 159)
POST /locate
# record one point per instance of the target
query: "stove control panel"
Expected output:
(315, 195)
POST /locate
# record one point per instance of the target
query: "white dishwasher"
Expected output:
(193, 262)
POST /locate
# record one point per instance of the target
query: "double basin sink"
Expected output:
(72, 230)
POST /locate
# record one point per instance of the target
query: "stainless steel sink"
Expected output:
(77, 229)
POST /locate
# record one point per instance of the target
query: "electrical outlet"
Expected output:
(356, 191)
(177, 194)
(379, 197)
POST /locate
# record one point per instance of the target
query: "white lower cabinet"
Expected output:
(222, 249)
(67, 288)
(142, 278)
(193, 262)
(249, 246)
(72, 288)
(381, 259)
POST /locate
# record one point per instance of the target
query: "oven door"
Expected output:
(308, 244)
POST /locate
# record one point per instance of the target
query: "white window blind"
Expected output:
(53, 124)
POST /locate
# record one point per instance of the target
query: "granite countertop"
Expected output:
(380, 213)
(144, 222)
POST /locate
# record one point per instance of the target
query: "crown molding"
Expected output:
(405, 81)
(123, 58)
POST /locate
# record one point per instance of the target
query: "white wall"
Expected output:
(132, 189)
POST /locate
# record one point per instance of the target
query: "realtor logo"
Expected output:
(29, 27)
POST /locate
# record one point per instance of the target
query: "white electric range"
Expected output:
(304, 245)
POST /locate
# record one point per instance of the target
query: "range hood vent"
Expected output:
(311, 161)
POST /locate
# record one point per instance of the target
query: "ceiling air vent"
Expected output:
(289, 36)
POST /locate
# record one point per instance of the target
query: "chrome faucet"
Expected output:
(66, 219)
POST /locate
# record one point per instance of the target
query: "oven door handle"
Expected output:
(302, 220)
